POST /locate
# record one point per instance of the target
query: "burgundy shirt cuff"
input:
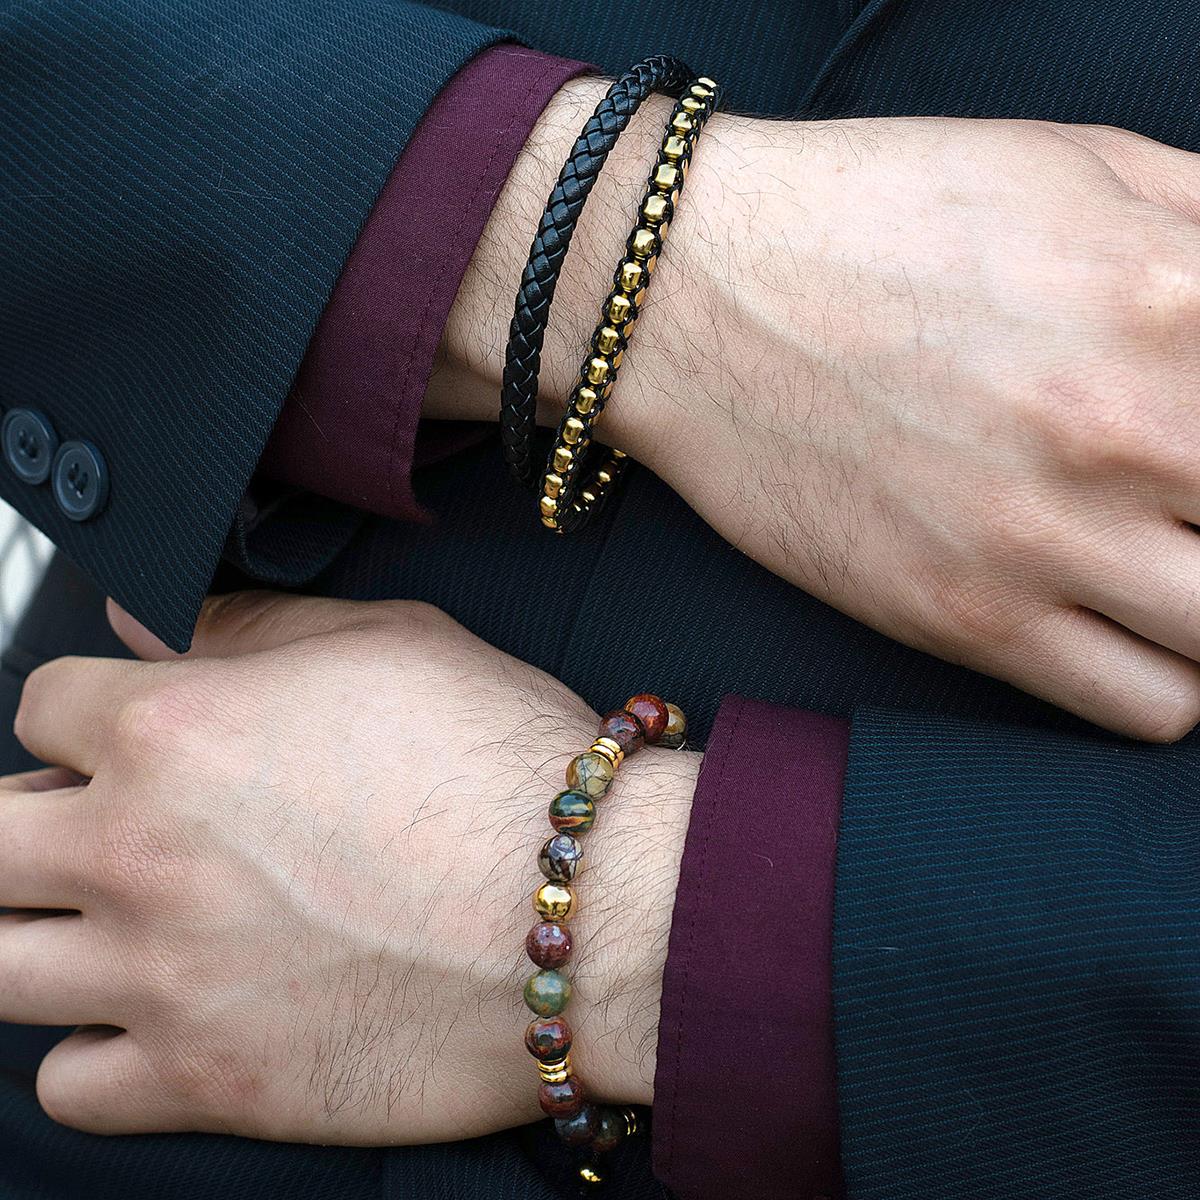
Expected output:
(349, 428)
(745, 1090)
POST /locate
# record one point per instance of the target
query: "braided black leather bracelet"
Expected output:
(522, 360)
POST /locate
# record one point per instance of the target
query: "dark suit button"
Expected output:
(29, 444)
(80, 480)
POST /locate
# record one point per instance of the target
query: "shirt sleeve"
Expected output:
(349, 429)
(745, 1089)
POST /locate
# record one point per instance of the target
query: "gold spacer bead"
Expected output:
(603, 477)
(632, 1124)
(609, 749)
(589, 1175)
(683, 124)
(597, 371)
(674, 148)
(552, 485)
(655, 210)
(701, 90)
(692, 106)
(608, 340)
(704, 81)
(643, 243)
(585, 399)
(619, 309)
(554, 901)
(588, 498)
(556, 1071)
(618, 454)
(548, 506)
(572, 430)
(667, 178)
(564, 458)
(552, 523)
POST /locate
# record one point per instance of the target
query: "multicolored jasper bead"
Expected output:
(580, 1129)
(651, 712)
(560, 857)
(547, 993)
(548, 944)
(563, 1099)
(675, 733)
(553, 901)
(624, 729)
(548, 1038)
(591, 774)
(572, 812)
(610, 1129)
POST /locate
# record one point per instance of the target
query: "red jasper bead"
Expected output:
(563, 1099)
(548, 944)
(610, 1129)
(624, 729)
(548, 1038)
(652, 712)
(580, 1129)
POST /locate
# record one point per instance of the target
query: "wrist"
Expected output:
(466, 380)
(627, 897)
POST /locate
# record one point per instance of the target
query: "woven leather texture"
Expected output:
(523, 355)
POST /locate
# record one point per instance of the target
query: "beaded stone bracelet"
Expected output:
(567, 502)
(591, 1128)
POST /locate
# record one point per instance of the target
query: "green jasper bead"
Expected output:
(547, 993)
(572, 812)
(591, 774)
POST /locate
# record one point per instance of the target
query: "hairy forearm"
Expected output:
(627, 896)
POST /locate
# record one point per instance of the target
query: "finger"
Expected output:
(105, 1081)
(246, 622)
(38, 844)
(67, 709)
(46, 779)
(1084, 662)
(52, 973)
(1153, 590)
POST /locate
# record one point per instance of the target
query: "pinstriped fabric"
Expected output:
(180, 185)
(1085, 61)
(1017, 963)
(765, 54)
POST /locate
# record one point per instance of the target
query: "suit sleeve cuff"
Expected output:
(744, 1089)
(349, 428)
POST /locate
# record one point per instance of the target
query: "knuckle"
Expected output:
(38, 694)
(423, 614)
(158, 719)
(1165, 290)
(1086, 431)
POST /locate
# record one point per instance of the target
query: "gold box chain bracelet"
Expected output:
(570, 497)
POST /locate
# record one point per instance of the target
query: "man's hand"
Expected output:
(942, 374)
(297, 868)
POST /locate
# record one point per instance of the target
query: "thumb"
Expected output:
(242, 623)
